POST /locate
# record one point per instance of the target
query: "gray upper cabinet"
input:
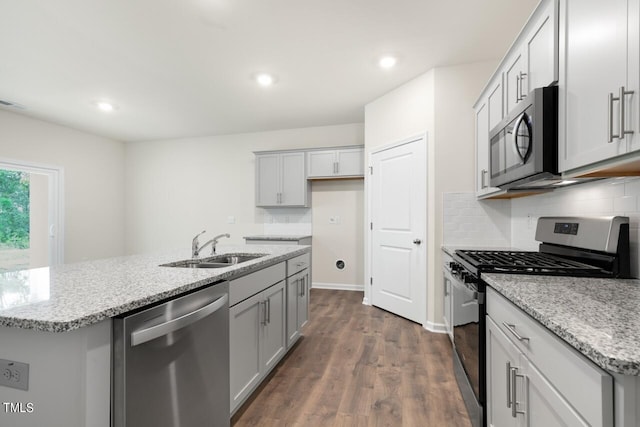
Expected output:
(335, 163)
(598, 74)
(281, 179)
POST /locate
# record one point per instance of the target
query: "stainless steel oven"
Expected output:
(467, 312)
(523, 146)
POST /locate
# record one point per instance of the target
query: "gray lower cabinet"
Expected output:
(535, 379)
(297, 304)
(257, 340)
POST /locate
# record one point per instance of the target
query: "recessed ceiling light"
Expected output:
(387, 62)
(105, 106)
(264, 79)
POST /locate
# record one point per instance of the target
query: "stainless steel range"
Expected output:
(570, 246)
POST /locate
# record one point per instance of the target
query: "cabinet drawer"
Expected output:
(246, 286)
(298, 263)
(588, 388)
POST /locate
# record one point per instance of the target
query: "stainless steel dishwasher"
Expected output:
(171, 362)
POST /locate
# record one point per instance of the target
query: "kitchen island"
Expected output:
(58, 320)
(594, 318)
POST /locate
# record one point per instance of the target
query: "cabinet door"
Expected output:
(515, 79)
(482, 151)
(542, 49)
(502, 356)
(447, 304)
(267, 179)
(350, 162)
(303, 300)
(321, 163)
(273, 326)
(294, 180)
(244, 348)
(293, 285)
(594, 66)
(495, 103)
(544, 405)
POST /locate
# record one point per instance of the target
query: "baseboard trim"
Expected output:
(337, 286)
(438, 328)
(365, 301)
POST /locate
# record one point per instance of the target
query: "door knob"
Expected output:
(417, 241)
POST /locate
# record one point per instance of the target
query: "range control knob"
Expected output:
(454, 266)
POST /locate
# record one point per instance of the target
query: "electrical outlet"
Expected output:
(14, 374)
(231, 219)
(334, 220)
(529, 222)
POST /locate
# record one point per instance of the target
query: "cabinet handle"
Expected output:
(512, 329)
(482, 181)
(263, 304)
(517, 88)
(514, 392)
(623, 93)
(610, 133)
(304, 286)
(521, 91)
(268, 306)
(508, 384)
(338, 167)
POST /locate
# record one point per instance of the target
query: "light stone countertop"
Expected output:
(277, 237)
(600, 318)
(70, 296)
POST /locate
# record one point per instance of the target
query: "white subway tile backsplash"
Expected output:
(469, 222)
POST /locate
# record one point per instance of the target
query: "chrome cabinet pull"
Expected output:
(511, 328)
(520, 89)
(610, 133)
(623, 93)
(517, 88)
(263, 304)
(514, 392)
(509, 385)
(268, 304)
(483, 172)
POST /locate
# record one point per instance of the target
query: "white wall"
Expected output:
(94, 180)
(440, 103)
(343, 240)
(177, 188)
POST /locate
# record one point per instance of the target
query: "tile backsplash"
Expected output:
(469, 222)
(287, 221)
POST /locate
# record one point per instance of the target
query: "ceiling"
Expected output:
(180, 68)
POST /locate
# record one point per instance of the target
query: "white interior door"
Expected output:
(398, 231)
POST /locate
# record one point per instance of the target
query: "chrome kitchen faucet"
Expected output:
(196, 249)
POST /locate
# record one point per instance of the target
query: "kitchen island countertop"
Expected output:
(597, 317)
(70, 296)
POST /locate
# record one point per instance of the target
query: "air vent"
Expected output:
(4, 103)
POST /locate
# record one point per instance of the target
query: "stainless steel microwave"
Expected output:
(523, 149)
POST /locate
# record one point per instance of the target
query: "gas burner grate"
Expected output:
(526, 262)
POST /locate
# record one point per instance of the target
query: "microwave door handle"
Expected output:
(514, 138)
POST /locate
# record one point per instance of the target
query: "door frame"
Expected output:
(56, 202)
(422, 137)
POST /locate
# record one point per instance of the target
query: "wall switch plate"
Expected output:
(334, 220)
(14, 374)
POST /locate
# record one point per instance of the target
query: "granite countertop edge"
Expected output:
(614, 360)
(28, 317)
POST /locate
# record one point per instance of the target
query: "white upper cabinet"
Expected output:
(281, 179)
(348, 162)
(598, 72)
(533, 61)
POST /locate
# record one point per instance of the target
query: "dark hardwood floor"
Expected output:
(359, 366)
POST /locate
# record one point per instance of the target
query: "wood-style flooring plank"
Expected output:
(359, 366)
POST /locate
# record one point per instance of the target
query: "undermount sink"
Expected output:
(216, 261)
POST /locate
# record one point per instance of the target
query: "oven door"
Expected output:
(468, 337)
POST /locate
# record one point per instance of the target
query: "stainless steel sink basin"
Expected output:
(216, 261)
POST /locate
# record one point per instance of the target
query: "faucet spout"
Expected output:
(195, 249)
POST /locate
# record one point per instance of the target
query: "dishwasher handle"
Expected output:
(148, 334)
